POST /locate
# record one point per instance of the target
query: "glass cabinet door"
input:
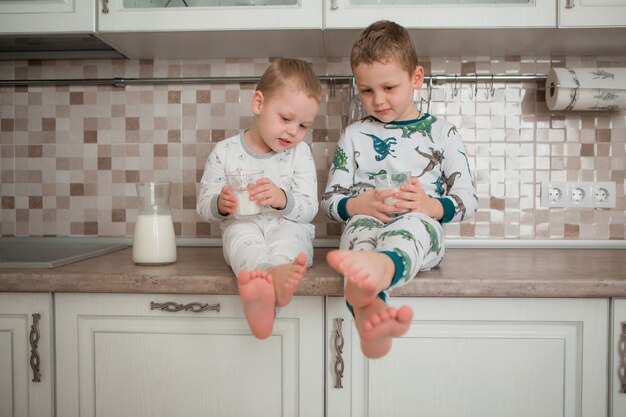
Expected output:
(207, 15)
(47, 16)
(417, 14)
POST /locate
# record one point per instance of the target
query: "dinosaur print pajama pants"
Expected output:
(414, 241)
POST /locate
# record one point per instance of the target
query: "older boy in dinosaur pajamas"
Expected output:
(380, 248)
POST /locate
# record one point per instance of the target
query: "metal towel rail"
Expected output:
(331, 79)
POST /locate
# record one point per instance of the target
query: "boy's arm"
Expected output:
(460, 201)
(340, 179)
(211, 184)
(302, 204)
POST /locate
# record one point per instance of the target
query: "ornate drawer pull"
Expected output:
(105, 6)
(173, 307)
(621, 370)
(339, 365)
(34, 341)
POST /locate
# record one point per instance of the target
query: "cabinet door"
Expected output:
(25, 353)
(592, 13)
(618, 359)
(418, 14)
(121, 355)
(487, 357)
(138, 15)
(47, 16)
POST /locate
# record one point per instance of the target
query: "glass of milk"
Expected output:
(154, 242)
(389, 181)
(241, 182)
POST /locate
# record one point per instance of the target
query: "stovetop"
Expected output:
(32, 252)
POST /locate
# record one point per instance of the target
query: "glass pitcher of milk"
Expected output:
(241, 182)
(154, 242)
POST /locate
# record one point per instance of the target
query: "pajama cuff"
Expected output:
(448, 209)
(342, 211)
(398, 263)
(291, 203)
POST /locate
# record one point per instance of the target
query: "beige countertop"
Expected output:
(464, 272)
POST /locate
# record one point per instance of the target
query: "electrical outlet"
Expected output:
(603, 194)
(578, 194)
(553, 194)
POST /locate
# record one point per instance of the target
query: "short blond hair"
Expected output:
(290, 72)
(383, 41)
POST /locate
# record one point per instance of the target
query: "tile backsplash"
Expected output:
(70, 155)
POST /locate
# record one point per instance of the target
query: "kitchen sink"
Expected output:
(31, 252)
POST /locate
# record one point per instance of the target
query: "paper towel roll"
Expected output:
(599, 89)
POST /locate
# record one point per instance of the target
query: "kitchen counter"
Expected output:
(464, 272)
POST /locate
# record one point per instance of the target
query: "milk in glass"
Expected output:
(246, 207)
(241, 182)
(154, 242)
(388, 181)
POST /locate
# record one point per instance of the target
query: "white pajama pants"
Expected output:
(265, 241)
(414, 240)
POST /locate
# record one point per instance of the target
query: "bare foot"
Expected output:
(367, 273)
(256, 289)
(287, 277)
(378, 324)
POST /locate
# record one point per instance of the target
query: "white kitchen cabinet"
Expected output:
(149, 16)
(592, 13)
(418, 14)
(25, 355)
(47, 16)
(121, 355)
(483, 357)
(617, 352)
(251, 29)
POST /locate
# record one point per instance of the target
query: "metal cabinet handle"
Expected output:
(173, 307)
(621, 371)
(569, 4)
(105, 6)
(34, 342)
(334, 5)
(339, 365)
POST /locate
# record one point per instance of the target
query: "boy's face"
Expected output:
(386, 90)
(283, 119)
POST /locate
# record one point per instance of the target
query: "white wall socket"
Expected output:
(578, 194)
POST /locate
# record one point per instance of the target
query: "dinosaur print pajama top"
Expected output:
(431, 149)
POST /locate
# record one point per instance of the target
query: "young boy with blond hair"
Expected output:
(384, 246)
(270, 252)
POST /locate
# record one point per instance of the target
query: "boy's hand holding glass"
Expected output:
(240, 185)
(412, 197)
(372, 203)
(226, 202)
(266, 193)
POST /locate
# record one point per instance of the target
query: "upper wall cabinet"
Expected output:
(592, 13)
(417, 14)
(188, 29)
(208, 15)
(47, 16)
